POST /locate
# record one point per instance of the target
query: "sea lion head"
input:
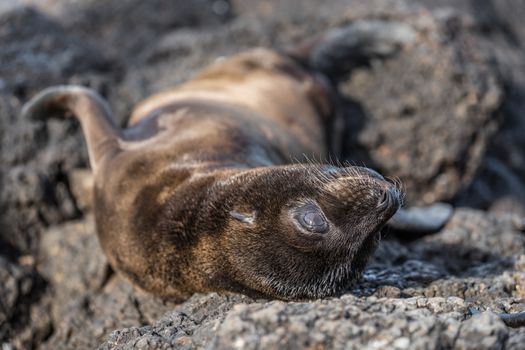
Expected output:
(302, 232)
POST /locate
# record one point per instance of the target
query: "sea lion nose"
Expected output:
(383, 199)
(389, 197)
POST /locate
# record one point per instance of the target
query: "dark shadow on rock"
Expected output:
(492, 21)
(459, 261)
(500, 183)
(427, 264)
(355, 118)
(21, 288)
(8, 250)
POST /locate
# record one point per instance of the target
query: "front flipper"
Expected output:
(419, 221)
(341, 49)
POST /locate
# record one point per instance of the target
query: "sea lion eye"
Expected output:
(311, 219)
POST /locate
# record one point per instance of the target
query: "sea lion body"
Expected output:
(204, 191)
(256, 110)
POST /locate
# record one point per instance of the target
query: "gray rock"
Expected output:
(20, 287)
(403, 108)
(421, 220)
(347, 322)
(500, 184)
(93, 301)
(41, 53)
(34, 157)
(411, 296)
(442, 291)
(487, 328)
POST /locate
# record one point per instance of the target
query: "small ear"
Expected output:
(245, 218)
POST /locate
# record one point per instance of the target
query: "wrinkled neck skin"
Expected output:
(217, 145)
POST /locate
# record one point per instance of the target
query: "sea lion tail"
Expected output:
(93, 112)
(341, 49)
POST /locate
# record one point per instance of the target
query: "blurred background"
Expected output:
(446, 116)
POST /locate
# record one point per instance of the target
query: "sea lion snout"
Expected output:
(390, 199)
(388, 196)
(363, 186)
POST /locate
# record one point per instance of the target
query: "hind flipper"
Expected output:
(101, 133)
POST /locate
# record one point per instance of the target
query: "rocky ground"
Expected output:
(445, 116)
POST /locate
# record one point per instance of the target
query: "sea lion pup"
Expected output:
(199, 192)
